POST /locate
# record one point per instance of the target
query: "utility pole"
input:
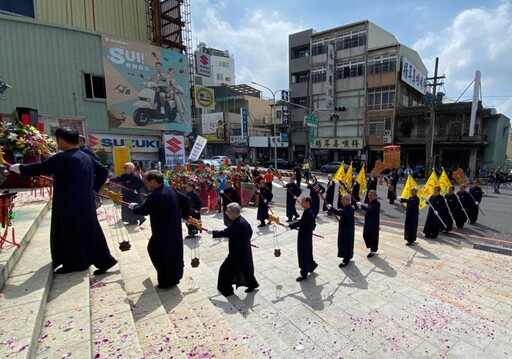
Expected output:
(429, 161)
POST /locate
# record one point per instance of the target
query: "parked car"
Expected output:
(195, 164)
(281, 164)
(222, 159)
(330, 167)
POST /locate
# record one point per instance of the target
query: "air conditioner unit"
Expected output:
(386, 139)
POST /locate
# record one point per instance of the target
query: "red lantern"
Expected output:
(201, 166)
(177, 167)
(226, 161)
(25, 120)
(187, 167)
(40, 127)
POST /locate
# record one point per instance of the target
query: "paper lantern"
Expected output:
(25, 120)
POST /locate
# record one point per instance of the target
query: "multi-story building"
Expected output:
(353, 78)
(214, 67)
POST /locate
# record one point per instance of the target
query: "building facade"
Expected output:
(352, 79)
(214, 67)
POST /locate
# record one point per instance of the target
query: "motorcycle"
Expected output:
(148, 105)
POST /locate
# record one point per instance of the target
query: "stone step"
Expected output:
(23, 297)
(29, 212)
(198, 326)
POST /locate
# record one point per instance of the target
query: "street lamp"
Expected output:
(272, 118)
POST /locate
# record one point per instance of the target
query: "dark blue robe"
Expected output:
(315, 198)
(230, 195)
(238, 267)
(461, 216)
(134, 182)
(195, 204)
(451, 205)
(291, 191)
(298, 175)
(165, 206)
(262, 214)
(306, 226)
(346, 231)
(76, 237)
(329, 193)
(392, 182)
(433, 225)
(472, 208)
(411, 218)
(371, 225)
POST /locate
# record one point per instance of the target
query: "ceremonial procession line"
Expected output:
(434, 299)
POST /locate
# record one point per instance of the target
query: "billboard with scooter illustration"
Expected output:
(147, 86)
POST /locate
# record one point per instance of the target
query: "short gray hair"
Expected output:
(234, 207)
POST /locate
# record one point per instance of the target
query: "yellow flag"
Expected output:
(361, 179)
(444, 182)
(340, 172)
(428, 188)
(406, 192)
(348, 177)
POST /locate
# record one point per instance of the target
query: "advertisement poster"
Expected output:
(174, 147)
(147, 87)
(197, 149)
(213, 126)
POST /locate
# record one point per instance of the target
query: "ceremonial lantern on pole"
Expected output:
(6, 216)
(194, 247)
(124, 243)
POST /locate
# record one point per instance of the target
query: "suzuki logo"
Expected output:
(203, 59)
(92, 141)
(174, 145)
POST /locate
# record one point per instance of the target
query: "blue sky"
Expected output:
(466, 36)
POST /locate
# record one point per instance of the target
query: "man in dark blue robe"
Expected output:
(298, 175)
(229, 195)
(461, 217)
(452, 205)
(238, 267)
(132, 191)
(76, 237)
(315, 198)
(371, 222)
(411, 216)
(265, 196)
(475, 197)
(437, 208)
(195, 205)
(346, 230)
(84, 148)
(330, 188)
(306, 225)
(164, 206)
(292, 193)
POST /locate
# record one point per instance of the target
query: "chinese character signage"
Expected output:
(147, 87)
(198, 148)
(329, 95)
(284, 115)
(203, 64)
(174, 147)
(243, 118)
(413, 77)
(213, 126)
(343, 143)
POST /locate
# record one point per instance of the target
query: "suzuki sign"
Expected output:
(135, 143)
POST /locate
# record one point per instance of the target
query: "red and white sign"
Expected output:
(174, 150)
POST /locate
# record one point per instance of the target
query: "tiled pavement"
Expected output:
(436, 299)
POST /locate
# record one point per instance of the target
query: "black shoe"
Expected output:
(227, 294)
(142, 220)
(300, 279)
(408, 243)
(343, 264)
(289, 220)
(103, 270)
(261, 225)
(250, 289)
(314, 267)
(296, 217)
(371, 254)
(132, 223)
(167, 285)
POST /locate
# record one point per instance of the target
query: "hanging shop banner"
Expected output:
(147, 87)
(197, 149)
(243, 119)
(329, 95)
(205, 97)
(352, 143)
(174, 149)
(413, 77)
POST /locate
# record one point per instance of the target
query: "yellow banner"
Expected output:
(361, 179)
(428, 188)
(444, 182)
(406, 192)
(121, 156)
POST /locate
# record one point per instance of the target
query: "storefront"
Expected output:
(327, 150)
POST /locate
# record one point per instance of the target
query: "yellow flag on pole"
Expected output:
(340, 172)
(348, 177)
(361, 179)
(444, 182)
(428, 188)
(406, 192)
